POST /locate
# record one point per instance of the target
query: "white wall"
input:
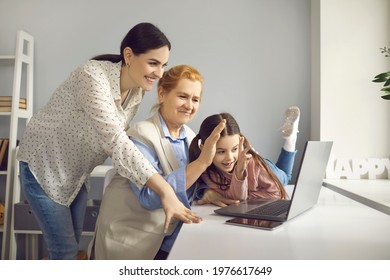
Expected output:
(347, 107)
(254, 54)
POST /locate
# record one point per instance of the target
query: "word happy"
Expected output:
(371, 168)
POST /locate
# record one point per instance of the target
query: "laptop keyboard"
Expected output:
(272, 209)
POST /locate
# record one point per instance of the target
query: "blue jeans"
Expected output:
(284, 166)
(61, 225)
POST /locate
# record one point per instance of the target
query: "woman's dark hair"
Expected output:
(231, 128)
(142, 38)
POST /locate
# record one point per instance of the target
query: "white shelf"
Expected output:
(24, 56)
(23, 113)
(12, 196)
(7, 57)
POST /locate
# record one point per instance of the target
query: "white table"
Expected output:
(373, 193)
(336, 228)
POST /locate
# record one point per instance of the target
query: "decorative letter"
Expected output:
(359, 167)
(376, 167)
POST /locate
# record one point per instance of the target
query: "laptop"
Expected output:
(305, 194)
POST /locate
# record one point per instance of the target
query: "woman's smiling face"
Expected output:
(180, 105)
(145, 69)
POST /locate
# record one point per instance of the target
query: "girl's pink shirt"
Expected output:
(256, 184)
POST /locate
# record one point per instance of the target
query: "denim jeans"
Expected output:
(61, 225)
(284, 166)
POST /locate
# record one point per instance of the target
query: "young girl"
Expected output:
(238, 172)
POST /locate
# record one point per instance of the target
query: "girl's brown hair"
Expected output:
(231, 128)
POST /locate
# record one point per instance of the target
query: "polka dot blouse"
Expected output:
(82, 124)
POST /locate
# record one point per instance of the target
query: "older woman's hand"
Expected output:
(209, 146)
(172, 206)
(212, 197)
(198, 166)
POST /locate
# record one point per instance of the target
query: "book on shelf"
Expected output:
(2, 209)
(9, 98)
(6, 103)
(4, 154)
(8, 108)
(1, 144)
(9, 103)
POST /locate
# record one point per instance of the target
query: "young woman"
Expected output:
(130, 224)
(85, 122)
(238, 172)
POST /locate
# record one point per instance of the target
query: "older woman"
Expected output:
(131, 220)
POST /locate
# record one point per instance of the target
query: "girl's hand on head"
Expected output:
(243, 159)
